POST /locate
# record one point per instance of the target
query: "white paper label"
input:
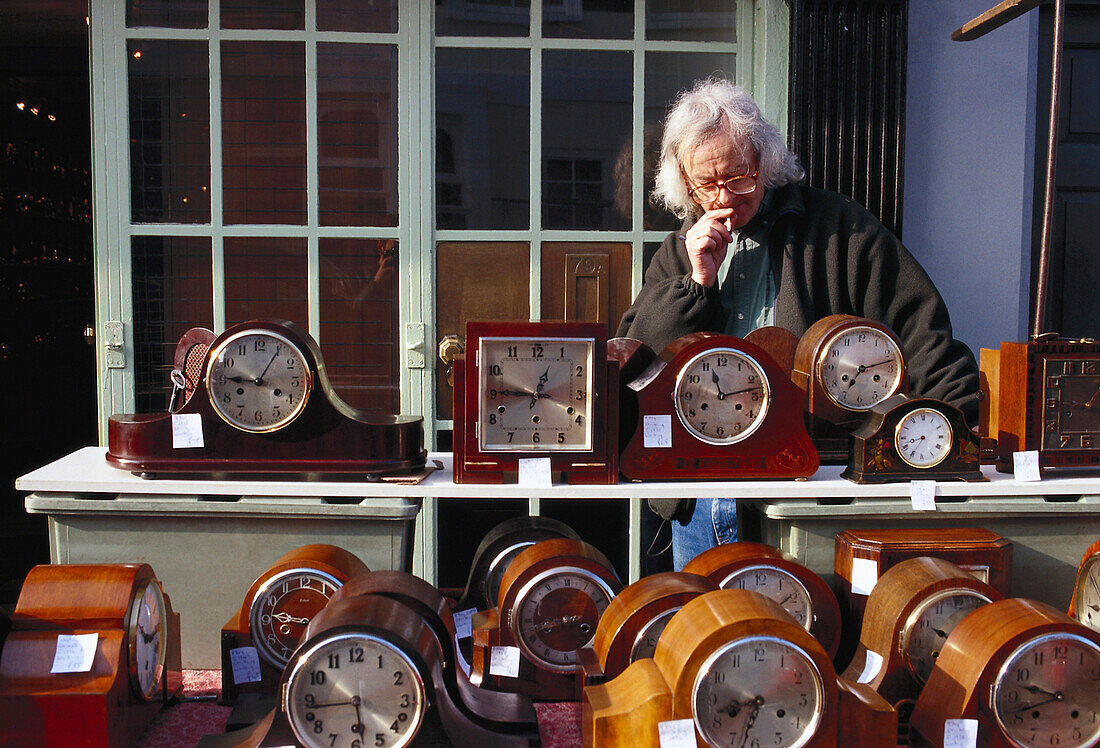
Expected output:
(960, 733)
(657, 431)
(464, 627)
(504, 661)
(864, 575)
(871, 666)
(186, 430)
(534, 472)
(677, 733)
(1025, 466)
(246, 665)
(75, 653)
(461, 659)
(923, 495)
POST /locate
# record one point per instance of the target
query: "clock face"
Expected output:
(351, 689)
(929, 625)
(859, 367)
(758, 690)
(556, 613)
(282, 608)
(721, 396)
(924, 438)
(535, 394)
(776, 584)
(1086, 593)
(1048, 692)
(258, 381)
(497, 567)
(1071, 404)
(645, 643)
(147, 629)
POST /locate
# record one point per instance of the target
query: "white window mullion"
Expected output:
(313, 252)
(217, 225)
(535, 242)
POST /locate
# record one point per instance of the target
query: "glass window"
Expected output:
(588, 19)
(355, 15)
(489, 18)
(263, 14)
(265, 277)
(175, 14)
(693, 20)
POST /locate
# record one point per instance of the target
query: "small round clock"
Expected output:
(258, 380)
(1084, 603)
(147, 639)
(924, 437)
(721, 395)
(283, 606)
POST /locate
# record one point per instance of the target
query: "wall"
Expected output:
(969, 165)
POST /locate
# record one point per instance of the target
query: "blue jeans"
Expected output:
(713, 522)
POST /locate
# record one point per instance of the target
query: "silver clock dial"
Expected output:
(931, 623)
(721, 395)
(147, 638)
(924, 438)
(776, 584)
(859, 367)
(258, 381)
(1086, 601)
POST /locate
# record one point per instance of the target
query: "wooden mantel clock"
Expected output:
(1084, 603)
(716, 407)
(133, 671)
(529, 390)
(276, 609)
(264, 404)
(777, 575)
(745, 673)
(1026, 672)
(551, 599)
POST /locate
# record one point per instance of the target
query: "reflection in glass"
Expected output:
(482, 17)
(586, 128)
(588, 19)
(265, 277)
(169, 131)
(379, 16)
(359, 321)
(172, 14)
(482, 119)
(699, 21)
(263, 132)
(172, 292)
(263, 14)
(357, 134)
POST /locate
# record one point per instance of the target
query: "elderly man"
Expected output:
(757, 248)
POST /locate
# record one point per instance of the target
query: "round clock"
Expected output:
(146, 638)
(258, 380)
(1084, 603)
(924, 437)
(721, 395)
(931, 622)
(282, 608)
(756, 688)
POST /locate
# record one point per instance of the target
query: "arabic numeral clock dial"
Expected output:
(929, 625)
(776, 584)
(860, 366)
(1071, 404)
(536, 394)
(924, 438)
(147, 641)
(1084, 604)
(556, 614)
(258, 380)
(721, 395)
(354, 689)
(283, 606)
(758, 690)
(1048, 692)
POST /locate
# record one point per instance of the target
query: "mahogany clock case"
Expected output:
(328, 436)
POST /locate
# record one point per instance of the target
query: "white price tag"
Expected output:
(246, 665)
(871, 666)
(534, 472)
(923, 495)
(657, 431)
(960, 733)
(464, 627)
(461, 658)
(186, 430)
(75, 653)
(504, 661)
(677, 733)
(864, 575)
(1025, 466)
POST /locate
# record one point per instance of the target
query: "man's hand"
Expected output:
(706, 243)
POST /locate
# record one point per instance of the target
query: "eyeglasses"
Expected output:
(737, 184)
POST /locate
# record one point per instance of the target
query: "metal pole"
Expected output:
(1048, 192)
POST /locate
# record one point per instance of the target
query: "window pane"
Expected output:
(482, 17)
(264, 132)
(265, 278)
(697, 20)
(172, 293)
(169, 131)
(583, 89)
(263, 14)
(483, 139)
(357, 133)
(588, 19)
(355, 15)
(359, 321)
(175, 14)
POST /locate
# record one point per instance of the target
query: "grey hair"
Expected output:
(715, 107)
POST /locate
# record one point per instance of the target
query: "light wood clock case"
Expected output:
(1084, 603)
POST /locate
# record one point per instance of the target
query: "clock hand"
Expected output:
(756, 704)
(1054, 697)
(287, 618)
(1091, 404)
(514, 393)
(260, 379)
(717, 385)
(939, 632)
(358, 728)
(864, 367)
